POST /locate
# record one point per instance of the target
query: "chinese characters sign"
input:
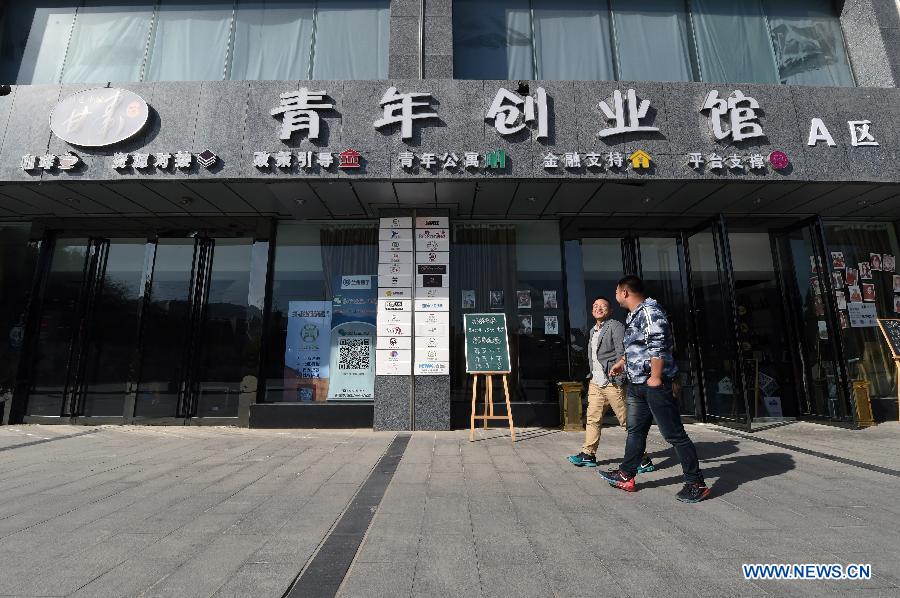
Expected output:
(99, 117)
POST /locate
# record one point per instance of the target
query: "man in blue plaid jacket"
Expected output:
(650, 368)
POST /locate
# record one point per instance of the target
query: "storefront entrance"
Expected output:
(131, 329)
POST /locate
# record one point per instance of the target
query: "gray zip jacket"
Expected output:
(610, 348)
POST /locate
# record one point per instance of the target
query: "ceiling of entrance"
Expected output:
(657, 204)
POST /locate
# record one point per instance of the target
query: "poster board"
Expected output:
(890, 328)
(487, 343)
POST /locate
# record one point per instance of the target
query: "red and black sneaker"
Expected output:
(619, 479)
(694, 492)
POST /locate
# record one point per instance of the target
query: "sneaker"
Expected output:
(619, 479)
(694, 492)
(583, 460)
(646, 466)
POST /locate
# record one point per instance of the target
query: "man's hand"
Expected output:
(654, 381)
(617, 368)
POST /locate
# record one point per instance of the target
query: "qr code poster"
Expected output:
(352, 362)
(354, 353)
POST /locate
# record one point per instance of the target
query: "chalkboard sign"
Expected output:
(487, 345)
(891, 330)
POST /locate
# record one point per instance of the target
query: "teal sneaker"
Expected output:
(646, 466)
(583, 460)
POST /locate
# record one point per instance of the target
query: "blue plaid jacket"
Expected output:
(648, 335)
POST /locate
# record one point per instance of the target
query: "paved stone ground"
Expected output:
(150, 511)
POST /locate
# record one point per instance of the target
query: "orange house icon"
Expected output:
(640, 159)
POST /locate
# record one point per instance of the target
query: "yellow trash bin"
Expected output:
(570, 406)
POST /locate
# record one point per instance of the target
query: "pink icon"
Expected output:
(779, 160)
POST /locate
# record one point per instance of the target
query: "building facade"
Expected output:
(277, 213)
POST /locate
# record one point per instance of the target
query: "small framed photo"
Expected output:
(888, 262)
(845, 321)
(550, 300)
(852, 276)
(875, 261)
(837, 279)
(523, 299)
(896, 279)
(468, 299)
(837, 260)
(525, 325)
(496, 298)
(551, 325)
(869, 292)
(897, 304)
(855, 294)
(865, 270)
(841, 299)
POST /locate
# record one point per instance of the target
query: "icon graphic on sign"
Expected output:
(309, 333)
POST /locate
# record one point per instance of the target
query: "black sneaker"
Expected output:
(583, 460)
(694, 492)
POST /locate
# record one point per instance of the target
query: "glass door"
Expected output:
(662, 268)
(59, 323)
(196, 331)
(720, 361)
(130, 328)
(815, 339)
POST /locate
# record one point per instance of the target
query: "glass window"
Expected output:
(870, 283)
(492, 39)
(95, 41)
(733, 43)
(272, 40)
(190, 41)
(322, 324)
(729, 41)
(351, 40)
(571, 40)
(665, 22)
(34, 41)
(516, 269)
(108, 42)
(808, 42)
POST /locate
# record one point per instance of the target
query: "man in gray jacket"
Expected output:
(606, 346)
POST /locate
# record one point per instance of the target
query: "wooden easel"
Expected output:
(489, 403)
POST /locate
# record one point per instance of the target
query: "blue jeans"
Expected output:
(645, 404)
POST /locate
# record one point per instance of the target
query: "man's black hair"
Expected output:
(598, 298)
(634, 285)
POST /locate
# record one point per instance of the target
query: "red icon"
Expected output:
(349, 158)
(779, 160)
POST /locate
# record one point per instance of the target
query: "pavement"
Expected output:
(203, 511)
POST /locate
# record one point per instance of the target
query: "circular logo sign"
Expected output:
(99, 117)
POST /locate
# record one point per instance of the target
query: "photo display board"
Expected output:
(487, 343)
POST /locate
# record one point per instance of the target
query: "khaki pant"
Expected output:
(598, 400)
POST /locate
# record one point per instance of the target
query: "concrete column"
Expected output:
(870, 30)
